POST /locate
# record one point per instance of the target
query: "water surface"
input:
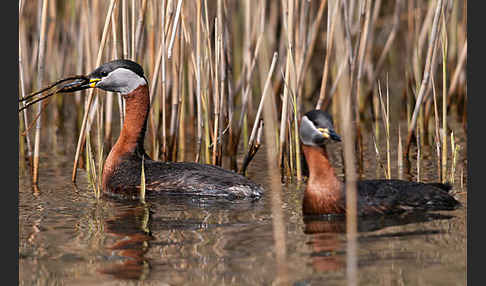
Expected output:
(68, 237)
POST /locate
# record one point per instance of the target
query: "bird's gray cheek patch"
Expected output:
(309, 133)
(122, 80)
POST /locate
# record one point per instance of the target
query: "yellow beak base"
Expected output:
(325, 132)
(93, 81)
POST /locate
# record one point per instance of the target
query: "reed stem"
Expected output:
(198, 81)
(254, 130)
(426, 74)
(444, 97)
(346, 114)
(40, 79)
(22, 94)
(289, 74)
(91, 92)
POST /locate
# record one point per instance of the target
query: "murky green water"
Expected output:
(68, 237)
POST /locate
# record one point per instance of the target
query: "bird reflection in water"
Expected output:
(327, 238)
(130, 230)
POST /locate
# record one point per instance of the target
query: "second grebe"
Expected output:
(122, 169)
(325, 193)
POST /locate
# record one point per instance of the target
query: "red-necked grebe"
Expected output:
(325, 193)
(122, 168)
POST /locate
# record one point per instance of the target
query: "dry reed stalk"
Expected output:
(289, 75)
(376, 10)
(110, 95)
(334, 87)
(301, 39)
(140, 22)
(132, 30)
(276, 202)
(163, 80)
(400, 155)
(387, 47)
(363, 47)
(454, 150)
(21, 6)
(346, 114)
(181, 94)
(418, 137)
(252, 41)
(437, 135)
(301, 42)
(426, 74)
(176, 94)
(417, 55)
(312, 44)
(91, 92)
(375, 106)
(356, 83)
(252, 148)
(329, 44)
(125, 39)
(174, 28)
(246, 47)
(181, 136)
(457, 71)
(198, 81)
(386, 123)
(444, 94)
(22, 94)
(298, 167)
(347, 38)
(95, 170)
(411, 15)
(160, 64)
(352, 61)
(40, 79)
(424, 114)
(108, 116)
(205, 115)
(249, 60)
(290, 150)
(216, 93)
(225, 81)
(293, 136)
(378, 159)
(245, 98)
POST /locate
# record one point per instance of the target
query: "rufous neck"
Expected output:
(321, 172)
(318, 161)
(323, 192)
(132, 135)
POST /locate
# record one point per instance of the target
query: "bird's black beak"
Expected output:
(329, 133)
(80, 84)
(334, 136)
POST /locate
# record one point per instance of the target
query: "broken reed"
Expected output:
(207, 63)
